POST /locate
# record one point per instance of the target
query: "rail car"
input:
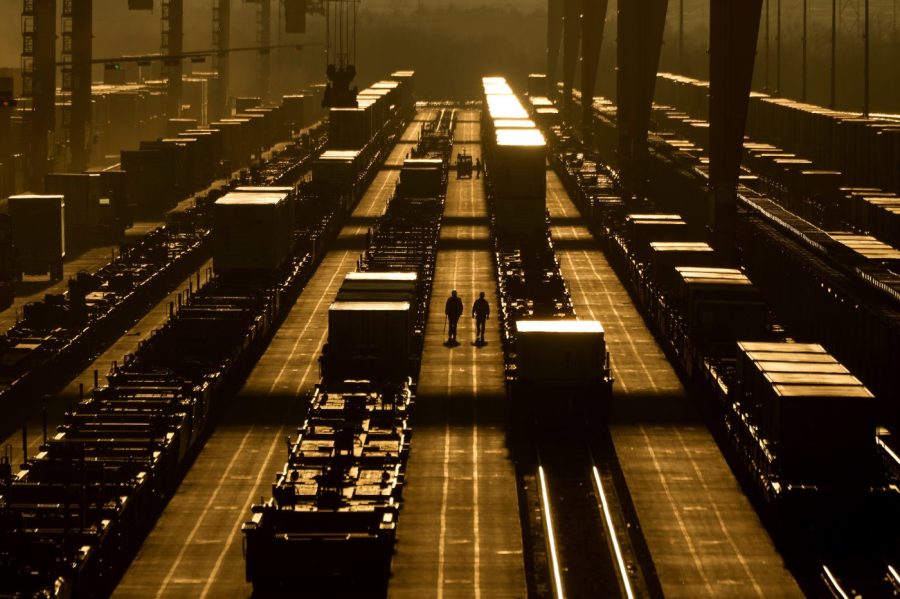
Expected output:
(330, 525)
(73, 517)
(436, 137)
(801, 427)
(549, 353)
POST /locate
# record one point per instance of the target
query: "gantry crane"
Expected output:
(340, 24)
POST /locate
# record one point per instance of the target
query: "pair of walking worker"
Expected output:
(481, 310)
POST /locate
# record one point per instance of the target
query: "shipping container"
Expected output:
(251, 232)
(560, 350)
(297, 111)
(666, 255)
(243, 103)
(336, 169)
(537, 84)
(422, 178)
(82, 193)
(519, 165)
(38, 234)
(349, 128)
(368, 340)
(176, 126)
(235, 142)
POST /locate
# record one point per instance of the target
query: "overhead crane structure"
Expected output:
(734, 29)
(71, 139)
(340, 31)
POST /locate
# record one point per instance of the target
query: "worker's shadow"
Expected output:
(479, 343)
(451, 343)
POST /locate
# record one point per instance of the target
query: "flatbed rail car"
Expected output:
(436, 136)
(56, 334)
(814, 483)
(127, 446)
(330, 524)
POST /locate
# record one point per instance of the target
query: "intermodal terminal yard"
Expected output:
(570, 333)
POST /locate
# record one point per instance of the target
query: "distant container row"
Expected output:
(122, 114)
(865, 149)
(85, 209)
(356, 134)
(515, 153)
(352, 128)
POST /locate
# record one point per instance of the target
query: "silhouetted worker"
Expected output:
(480, 312)
(453, 310)
(478, 168)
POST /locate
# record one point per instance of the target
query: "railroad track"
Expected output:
(588, 556)
(852, 579)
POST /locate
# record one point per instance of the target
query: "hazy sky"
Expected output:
(117, 30)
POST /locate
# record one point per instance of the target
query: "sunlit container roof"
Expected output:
(505, 107)
(514, 124)
(251, 199)
(497, 89)
(559, 326)
(381, 276)
(339, 155)
(520, 137)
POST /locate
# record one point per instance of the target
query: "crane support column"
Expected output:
(173, 45)
(77, 78)
(733, 32)
(264, 39)
(571, 33)
(641, 24)
(221, 43)
(593, 20)
(39, 83)
(554, 38)
(7, 173)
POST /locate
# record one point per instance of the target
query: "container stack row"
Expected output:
(801, 425)
(840, 288)
(161, 172)
(836, 168)
(55, 334)
(330, 525)
(548, 352)
(78, 511)
(515, 156)
(865, 149)
(352, 128)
